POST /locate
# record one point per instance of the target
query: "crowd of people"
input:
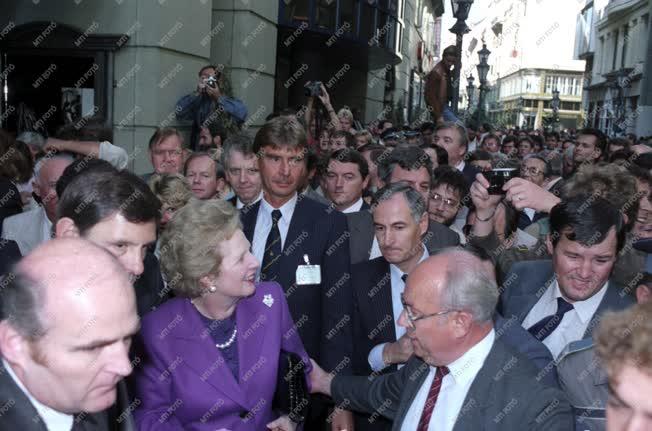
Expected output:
(419, 277)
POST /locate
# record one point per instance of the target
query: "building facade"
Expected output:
(125, 63)
(613, 36)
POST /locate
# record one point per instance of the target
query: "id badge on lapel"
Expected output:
(308, 274)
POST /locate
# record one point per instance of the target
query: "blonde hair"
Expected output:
(625, 337)
(171, 189)
(346, 113)
(190, 240)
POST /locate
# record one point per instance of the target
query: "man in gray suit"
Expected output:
(562, 300)
(67, 317)
(462, 376)
(414, 167)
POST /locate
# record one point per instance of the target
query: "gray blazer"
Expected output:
(361, 227)
(527, 282)
(504, 395)
(21, 415)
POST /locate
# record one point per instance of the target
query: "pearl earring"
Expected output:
(212, 289)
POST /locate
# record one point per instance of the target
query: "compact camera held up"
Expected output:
(313, 88)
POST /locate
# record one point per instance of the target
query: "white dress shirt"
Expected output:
(354, 208)
(54, 420)
(239, 204)
(453, 391)
(375, 357)
(460, 166)
(375, 249)
(574, 323)
(264, 226)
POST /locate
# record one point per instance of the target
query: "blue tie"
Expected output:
(270, 267)
(544, 327)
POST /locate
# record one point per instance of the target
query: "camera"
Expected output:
(313, 89)
(211, 81)
(498, 178)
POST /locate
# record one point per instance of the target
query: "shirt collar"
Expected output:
(355, 207)
(239, 204)
(466, 367)
(53, 419)
(397, 272)
(585, 309)
(460, 166)
(287, 209)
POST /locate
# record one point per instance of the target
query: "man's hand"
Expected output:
(320, 380)
(324, 97)
(398, 352)
(342, 420)
(213, 93)
(55, 145)
(485, 204)
(525, 194)
(282, 424)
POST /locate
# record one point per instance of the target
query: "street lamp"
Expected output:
(461, 10)
(483, 70)
(554, 103)
(470, 89)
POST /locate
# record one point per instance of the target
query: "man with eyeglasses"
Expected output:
(533, 169)
(166, 152)
(380, 345)
(462, 375)
(448, 195)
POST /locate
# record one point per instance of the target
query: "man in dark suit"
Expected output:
(303, 245)
(9, 255)
(562, 300)
(117, 211)
(413, 166)
(346, 176)
(64, 352)
(241, 169)
(380, 343)
(462, 376)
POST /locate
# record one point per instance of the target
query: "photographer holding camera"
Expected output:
(314, 125)
(208, 103)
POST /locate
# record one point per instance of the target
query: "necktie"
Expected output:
(544, 327)
(433, 393)
(270, 267)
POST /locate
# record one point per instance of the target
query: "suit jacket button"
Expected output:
(243, 414)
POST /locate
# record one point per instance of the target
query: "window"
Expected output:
(625, 37)
(615, 51)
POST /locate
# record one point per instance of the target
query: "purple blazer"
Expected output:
(183, 382)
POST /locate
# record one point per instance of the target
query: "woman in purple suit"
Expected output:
(210, 356)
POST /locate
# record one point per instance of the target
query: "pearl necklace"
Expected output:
(229, 341)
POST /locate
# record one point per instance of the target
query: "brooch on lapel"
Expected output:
(268, 300)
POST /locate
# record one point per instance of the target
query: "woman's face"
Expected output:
(237, 271)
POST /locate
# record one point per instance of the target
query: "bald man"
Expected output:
(68, 315)
(31, 228)
(462, 376)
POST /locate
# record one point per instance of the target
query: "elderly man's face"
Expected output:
(167, 156)
(76, 365)
(534, 170)
(432, 337)
(582, 270)
(450, 140)
(398, 234)
(243, 175)
(630, 406)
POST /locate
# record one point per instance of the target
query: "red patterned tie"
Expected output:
(433, 393)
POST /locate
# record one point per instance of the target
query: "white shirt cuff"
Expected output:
(375, 358)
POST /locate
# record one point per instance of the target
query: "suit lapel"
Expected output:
(300, 218)
(615, 298)
(382, 303)
(251, 339)
(21, 415)
(204, 358)
(248, 216)
(416, 374)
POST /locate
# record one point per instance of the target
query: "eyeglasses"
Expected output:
(412, 319)
(530, 171)
(436, 197)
